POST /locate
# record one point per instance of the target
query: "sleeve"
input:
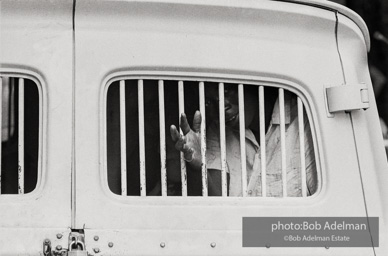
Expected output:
(311, 170)
(213, 154)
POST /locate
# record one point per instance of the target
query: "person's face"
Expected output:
(232, 115)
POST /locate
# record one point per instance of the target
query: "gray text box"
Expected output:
(310, 232)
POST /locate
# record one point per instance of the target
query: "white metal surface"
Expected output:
(162, 134)
(181, 100)
(368, 144)
(1, 124)
(262, 58)
(21, 137)
(263, 163)
(141, 138)
(201, 88)
(243, 155)
(38, 47)
(107, 46)
(283, 141)
(123, 139)
(221, 104)
(356, 96)
(12, 107)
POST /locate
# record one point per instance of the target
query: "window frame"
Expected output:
(42, 129)
(289, 85)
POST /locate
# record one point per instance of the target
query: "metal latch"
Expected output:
(76, 246)
(347, 97)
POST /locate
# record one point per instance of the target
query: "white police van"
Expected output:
(90, 88)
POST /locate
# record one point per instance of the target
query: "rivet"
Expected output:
(59, 236)
(59, 247)
(213, 245)
(96, 250)
(162, 245)
(96, 238)
(110, 244)
(327, 247)
(268, 245)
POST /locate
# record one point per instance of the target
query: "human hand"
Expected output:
(190, 142)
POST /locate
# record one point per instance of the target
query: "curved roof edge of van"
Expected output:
(329, 5)
(323, 4)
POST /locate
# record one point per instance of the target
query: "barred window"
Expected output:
(244, 155)
(20, 119)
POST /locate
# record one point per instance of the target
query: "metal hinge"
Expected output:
(76, 246)
(347, 97)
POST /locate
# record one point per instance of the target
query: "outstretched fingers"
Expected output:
(186, 142)
(180, 142)
(175, 135)
(197, 121)
(184, 124)
(179, 139)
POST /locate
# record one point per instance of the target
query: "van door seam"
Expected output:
(73, 156)
(338, 51)
(354, 134)
(362, 183)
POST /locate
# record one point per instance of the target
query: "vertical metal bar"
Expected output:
(162, 135)
(21, 138)
(1, 124)
(123, 139)
(283, 141)
(302, 148)
(221, 96)
(243, 157)
(11, 107)
(141, 138)
(181, 99)
(262, 142)
(203, 138)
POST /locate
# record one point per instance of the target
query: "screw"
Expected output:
(110, 244)
(59, 236)
(213, 245)
(96, 250)
(162, 245)
(58, 247)
(96, 238)
(268, 245)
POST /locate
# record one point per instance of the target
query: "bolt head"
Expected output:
(162, 245)
(268, 245)
(110, 244)
(59, 236)
(59, 247)
(96, 250)
(96, 238)
(213, 245)
(47, 241)
(327, 247)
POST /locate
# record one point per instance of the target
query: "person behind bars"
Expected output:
(189, 143)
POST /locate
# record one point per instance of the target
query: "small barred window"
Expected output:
(204, 138)
(20, 124)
